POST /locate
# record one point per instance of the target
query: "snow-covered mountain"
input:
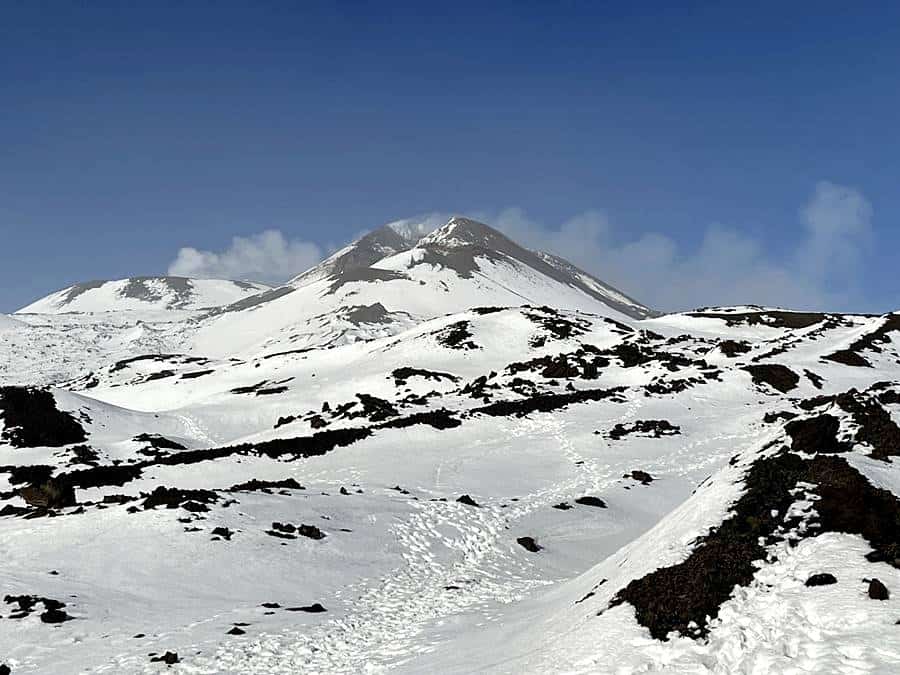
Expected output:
(523, 472)
(390, 278)
(144, 293)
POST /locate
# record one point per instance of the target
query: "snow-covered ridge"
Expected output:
(144, 293)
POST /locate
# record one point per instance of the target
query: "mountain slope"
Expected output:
(144, 293)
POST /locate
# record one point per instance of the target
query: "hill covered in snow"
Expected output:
(440, 452)
(144, 293)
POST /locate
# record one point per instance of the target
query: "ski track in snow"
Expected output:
(387, 616)
(444, 543)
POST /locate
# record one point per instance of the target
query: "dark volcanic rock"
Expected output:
(101, 476)
(401, 375)
(468, 501)
(877, 590)
(50, 494)
(55, 615)
(732, 348)
(640, 476)
(456, 336)
(439, 419)
(772, 417)
(223, 532)
(53, 609)
(31, 419)
(775, 319)
(30, 473)
(546, 402)
(871, 341)
(653, 428)
(159, 442)
(876, 427)
(775, 375)
(374, 408)
(314, 608)
(817, 434)
(591, 501)
(310, 531)
(172, 498)
(557, 326)
(266, 485)
(169, 658)
(821, 579)
(682, 597)
(816, 380)
(560, 368)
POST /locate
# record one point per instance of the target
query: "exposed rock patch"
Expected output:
(733, 348)
(31, 419)
(878, 591)
(775, 375)
(821, 579)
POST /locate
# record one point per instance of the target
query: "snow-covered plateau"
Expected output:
(444, 453)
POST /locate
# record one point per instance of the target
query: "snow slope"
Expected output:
(390, 477)
(9, 323)
(144, 293)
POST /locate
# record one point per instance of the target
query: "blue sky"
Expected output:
(676, 151)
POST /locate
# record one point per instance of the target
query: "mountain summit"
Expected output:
(393, 277)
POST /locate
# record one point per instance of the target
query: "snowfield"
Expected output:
(443, 453)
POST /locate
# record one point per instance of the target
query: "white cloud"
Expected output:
(267, 256)
(419, 226)
(727, 267)
(838, 222)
